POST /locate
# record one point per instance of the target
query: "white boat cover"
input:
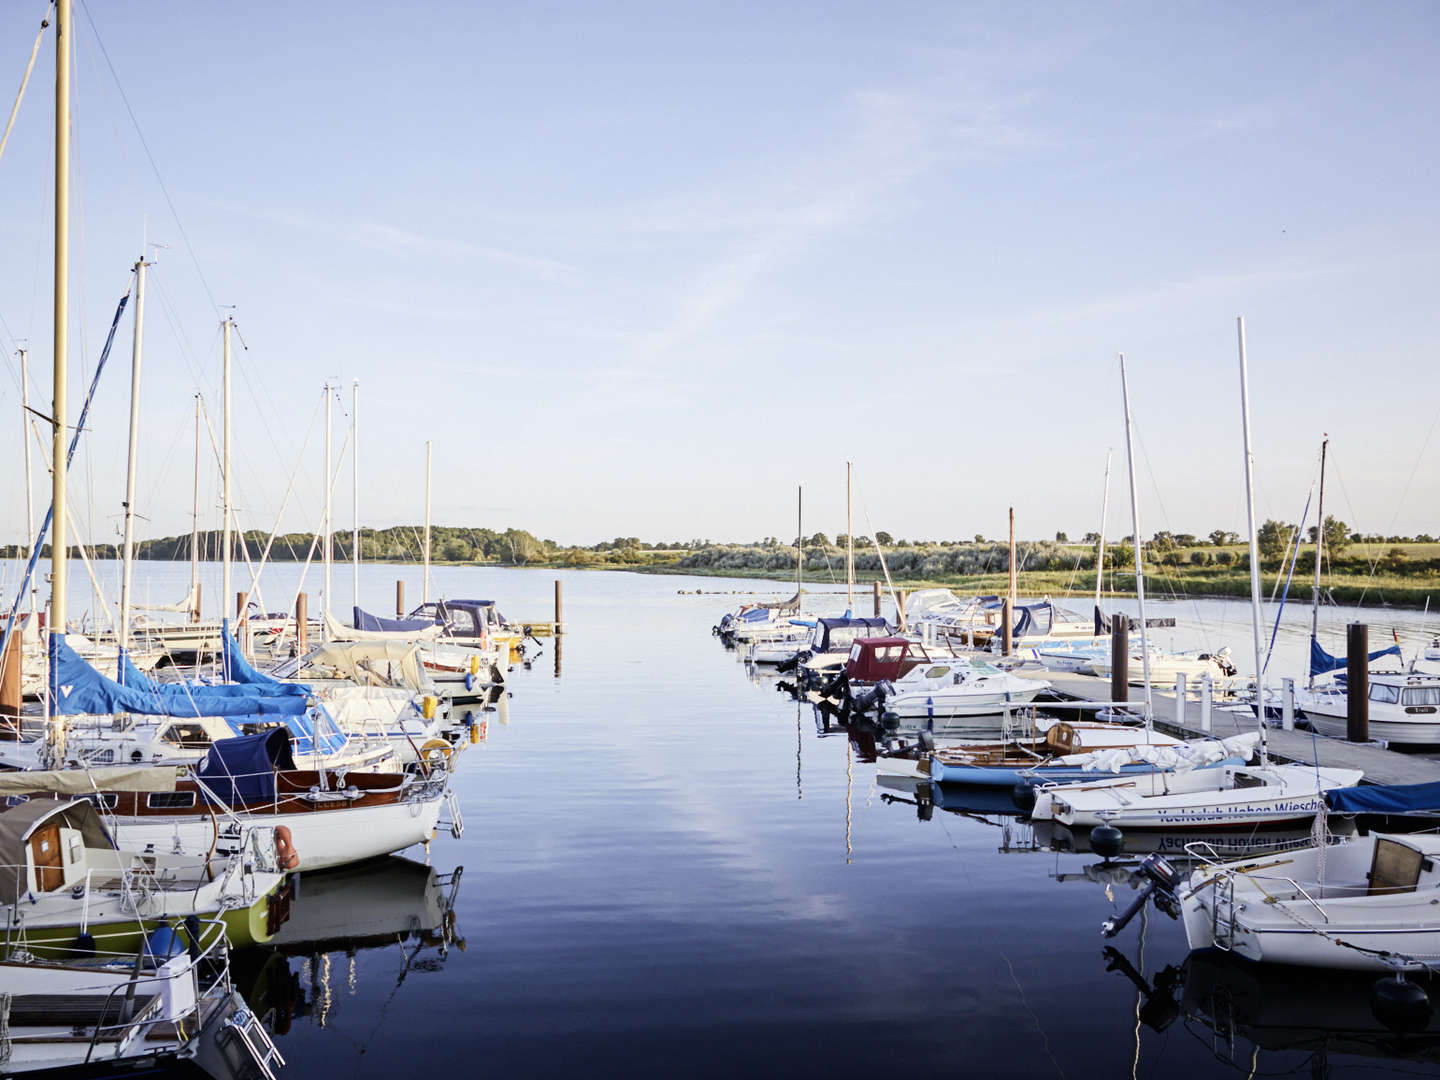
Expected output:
(363, 661)
(1179, 757)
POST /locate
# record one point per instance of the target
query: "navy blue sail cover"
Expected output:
(76, 687)
(1385, 799)
(365, 621)
(243, 769)
(1322, 662)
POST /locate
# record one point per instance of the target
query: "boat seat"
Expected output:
(73, 1010)
(1395, 869)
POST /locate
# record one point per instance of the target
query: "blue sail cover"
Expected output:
(76, 687)
(236, 669)
(242, 770)
(1386, 799)
(365, 621)
(1322, 662)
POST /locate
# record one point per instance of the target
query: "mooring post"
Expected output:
(1287, 703)
(1357, 682)
(1206, 690)
(1119, 657)
(875, 592)
(399, 599)
(302, 624)
(1005, 627)
(195, 611)
(558, 623)
(1181, 700)
(900, 606)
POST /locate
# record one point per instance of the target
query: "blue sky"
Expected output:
(639, 269)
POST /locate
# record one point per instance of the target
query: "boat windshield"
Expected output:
(1384, 693)
(1421, 695)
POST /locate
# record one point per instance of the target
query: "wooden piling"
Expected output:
(1357, 682)
(875, 590)
(1006, 616)
(399, 599)
(302, 624)
(1119, 657)
(559, 626)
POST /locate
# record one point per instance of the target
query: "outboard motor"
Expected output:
(794, 662)
(872, 700)
(1157, 880)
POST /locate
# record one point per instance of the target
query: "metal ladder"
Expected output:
(256, 1040)
(1222, 929)
(457, 820)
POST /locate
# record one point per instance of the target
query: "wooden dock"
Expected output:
(1381, 766)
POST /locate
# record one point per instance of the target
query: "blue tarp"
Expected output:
(1322, 662)
(236, 669)
(365, 621)
(243, 769)
(76, 687)
(1386, 799)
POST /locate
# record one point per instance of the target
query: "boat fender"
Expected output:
(161, 944)
(474, 664)
(84, 944)
(474, 732)
(285, 851)
(1400, 1005)
(1106, 841)
(1023, 794)
(469, 680)
(926, 739)
(428, 704)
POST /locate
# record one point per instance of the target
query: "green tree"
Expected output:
(883, 538)
(1273, 538)
(456, 550)
(1337, 535)
(1223, 537)
(1061, 538)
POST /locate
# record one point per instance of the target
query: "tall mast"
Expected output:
(195, 523)
(325, 601)
(25, 436)
(61, 334)
(225, 477)
(126, 564)
(425, 586)
(849, 547)
(1319, 550)
(1139, 556)
(1011, 593)
(1254, 539)
(799, 541)
(355, 485)
(1104, 514)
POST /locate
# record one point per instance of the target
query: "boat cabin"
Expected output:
(45, 844)
(463, 618)
(838, 634)
(877, 659)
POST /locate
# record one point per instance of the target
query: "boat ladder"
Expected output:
(247, 1028)
(1222, 925)
(457, 820)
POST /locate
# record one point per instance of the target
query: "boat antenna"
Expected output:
(1139, 553)
(1254, 539)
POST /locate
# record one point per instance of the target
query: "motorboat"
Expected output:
(1404, 708)
(956, 687)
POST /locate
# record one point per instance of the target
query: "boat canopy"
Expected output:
(86, 781)
(19, 823)
(837, 634)
(365, 621)
(76, 687)
(1322, 663)
(1385, 799)
(395, 662)
(338, 631)
(243, 769)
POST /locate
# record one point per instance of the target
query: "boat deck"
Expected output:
(1381, 766)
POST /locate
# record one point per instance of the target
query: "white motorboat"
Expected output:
(959, 687)
(1370, 904)
(1404, 708)
(1238, 795)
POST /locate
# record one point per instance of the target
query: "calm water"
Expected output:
(669, 869)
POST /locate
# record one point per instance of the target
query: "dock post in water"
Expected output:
(302, 624)
(1005, 628)
(1119, 657)
(875, 592)
(1357, 682)
(1287, 703)
(1206, 698)
(559, 626)
(399, 599)
(1181, 698)
(900, 595)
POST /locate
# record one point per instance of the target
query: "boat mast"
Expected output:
(1319, 550)
(25, 435)
(55, 732)
(355, 486)
(425, 585)
(1254, 540)
(127, 558)
(195, 525)
(1139, 555)
(325, 543)
(1009, 643)
(799, 541)
(225, 478)
(1104, 513)
(849, 548)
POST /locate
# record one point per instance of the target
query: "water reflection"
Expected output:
(311, 964)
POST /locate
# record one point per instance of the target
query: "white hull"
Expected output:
(955, 703)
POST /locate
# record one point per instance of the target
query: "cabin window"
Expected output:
(855, 651)
(891, 654)
(1383, 693)
(462, 622)
(939, 671)
(170, 800)
(105, 801)
(1421, 695)
(102, 757)
(187, 736)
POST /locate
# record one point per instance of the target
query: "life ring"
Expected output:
(435, 752)
(285, 851)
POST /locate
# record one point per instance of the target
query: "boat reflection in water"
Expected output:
(377, 904)
(988, 806)
(1219, 844)
(1242, 1009)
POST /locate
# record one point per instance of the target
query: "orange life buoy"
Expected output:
(285, 848)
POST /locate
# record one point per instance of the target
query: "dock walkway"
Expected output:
(1381, 766)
